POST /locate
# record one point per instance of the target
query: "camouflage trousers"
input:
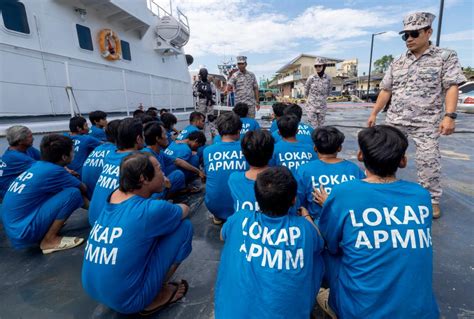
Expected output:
(207, 110)
(316, 115)
(427, 158)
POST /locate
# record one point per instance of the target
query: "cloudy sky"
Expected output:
(272, 32)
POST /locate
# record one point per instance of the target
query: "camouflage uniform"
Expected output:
(418, 89)
(244, 85)
(204, 107)
(317, 90)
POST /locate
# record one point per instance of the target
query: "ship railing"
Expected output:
(159, 11)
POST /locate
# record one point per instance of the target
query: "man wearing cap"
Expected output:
(205, 92)
(317, 89)
(244, 84)
(419, 81)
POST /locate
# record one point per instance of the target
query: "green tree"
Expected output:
(381, 65)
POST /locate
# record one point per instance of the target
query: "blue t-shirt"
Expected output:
(382, 234)
(25, 195)
(169, 136)
(164, 159)
(292, 155)
(13, 163)
(98, 133)
(316, 173)
(248, 124)
(221, 160)
(186, 131)
(303, 135)
(271, 267)
(119, 249)
(177, 150)
(242, 191)
(274, 127)
(108, 181)
(92, 166)
(83, 146)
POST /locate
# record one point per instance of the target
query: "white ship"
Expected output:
(61, 57)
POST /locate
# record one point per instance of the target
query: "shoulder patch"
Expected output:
(445, 53)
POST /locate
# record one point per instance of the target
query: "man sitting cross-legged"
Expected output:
(137, 243)
(39, 200)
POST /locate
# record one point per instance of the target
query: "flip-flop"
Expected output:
(217, 221)
(66, 243)
(170, 300)
(194, 190)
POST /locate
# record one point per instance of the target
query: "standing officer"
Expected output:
(317, 89)
(418, 82)
(245, 86)
(205, 92)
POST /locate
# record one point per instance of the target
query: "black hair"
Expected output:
(138, 113)
(241, 109)
(295, 110)
(278, 108)
(275, 190)
(382, 147)
(198, 137)
(194, 116)
(153, 108)
(132, 168)
(128, 131)
(152, 131)
(75, 122)
(168, 120)
(229, 124)
(111, 130)
(54, 146)
(327, 139)
(257, 147)
(152, 113)
(288, 126)
(96, 116)
(147, 119)
(163, 111)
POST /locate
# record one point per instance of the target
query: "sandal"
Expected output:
(170, 301)
(66, 243)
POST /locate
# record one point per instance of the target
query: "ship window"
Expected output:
(126, 50)
(85, 38)
(14, 16)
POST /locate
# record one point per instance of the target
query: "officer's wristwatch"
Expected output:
(451, 115)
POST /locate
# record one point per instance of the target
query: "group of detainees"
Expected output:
(300, 225)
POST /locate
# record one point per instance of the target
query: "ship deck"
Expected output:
(36, 286)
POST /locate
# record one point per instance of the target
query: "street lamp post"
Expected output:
(370, 61)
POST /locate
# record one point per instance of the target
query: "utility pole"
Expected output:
(370, 61)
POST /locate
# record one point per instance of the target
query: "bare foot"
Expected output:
(166, 295)
(50, 243)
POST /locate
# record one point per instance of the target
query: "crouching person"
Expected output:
(39, 200)
(271, 265)
(137, 243)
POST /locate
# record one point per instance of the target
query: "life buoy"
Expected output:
(109, 45)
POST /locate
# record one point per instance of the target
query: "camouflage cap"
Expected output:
(241, 59)
(417, 21)
(319, 61)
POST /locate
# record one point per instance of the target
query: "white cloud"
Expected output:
(466, 35)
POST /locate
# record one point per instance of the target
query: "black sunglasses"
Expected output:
(414, 34)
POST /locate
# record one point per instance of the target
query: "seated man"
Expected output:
(129, 139)
(220, 160)
(289, 151)
(248, 124)
(257, 147)
(98, 124)
(169, 121)
(271, 265)
(137, 243)
(83, 144)
(320, 176)
(196, 123)
(155, 138)
(39, 201)
(304, 130)
(278, 109)
(92, 166)
(18, 157)
(380, 230)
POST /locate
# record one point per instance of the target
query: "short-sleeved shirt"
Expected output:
(186, 131)
(93, 164)
(13, 163)
(248, 124)
(292, 155)
(177, 150)
(83, 146)
(25, 195)
(119, 248)
(164, 159)
(274, 127)
(98, 133)
(317, 89)
(244, 85)
(318, 173)
(303, 135)
(382, 233)
(418, 86)
(221, 160)
(270, 267)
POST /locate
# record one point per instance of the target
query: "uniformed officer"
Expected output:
(317, 89)
(205, 92)
(419, 81)
(245, 86)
